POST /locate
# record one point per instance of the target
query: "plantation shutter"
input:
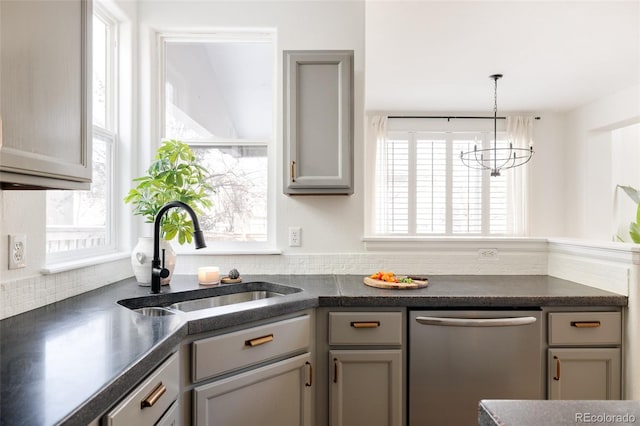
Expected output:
(423, 189)
(392, 186)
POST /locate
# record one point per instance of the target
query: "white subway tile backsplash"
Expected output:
(25, 294)
(517, 263)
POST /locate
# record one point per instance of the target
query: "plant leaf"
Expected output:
(631, 192)
(634, 232)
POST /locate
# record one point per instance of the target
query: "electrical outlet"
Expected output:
(17, 251)
(488, 254)
(294, 236)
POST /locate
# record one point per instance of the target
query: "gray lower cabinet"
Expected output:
(364, 367)
(45, 73)
(584, 355)
(260, 375)
(275, 395)
(366, 387)
(318, 122)
(589, 374)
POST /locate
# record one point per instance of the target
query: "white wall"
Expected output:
(327, 222)
(592, 170)
(589, 184)
(625, 145)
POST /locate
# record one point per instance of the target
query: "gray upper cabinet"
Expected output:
(45, 81)
(318, 122)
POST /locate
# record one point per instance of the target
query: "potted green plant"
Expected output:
(634, 227)
(174, 174)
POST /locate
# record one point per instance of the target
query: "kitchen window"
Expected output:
(422, 189)
(79, 223)
(218, 97)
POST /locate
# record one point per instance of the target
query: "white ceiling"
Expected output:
(555, 55)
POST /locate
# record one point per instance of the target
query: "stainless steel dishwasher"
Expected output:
(457, 358)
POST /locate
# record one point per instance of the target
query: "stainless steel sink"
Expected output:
(223, 300)
(154, 311)
(195, 300)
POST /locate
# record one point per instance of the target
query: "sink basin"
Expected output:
(195, 300)
(223, 300)
(154, 311)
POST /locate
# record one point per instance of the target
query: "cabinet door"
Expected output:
(45, 77)
(275, 395)
(584, 373)
(318, 122)
(366, 387)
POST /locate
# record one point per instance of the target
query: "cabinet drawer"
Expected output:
(220, 354)
(365, 328)
(146, 403)
(585, 328)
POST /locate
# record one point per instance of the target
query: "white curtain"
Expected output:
(520, 134)
(376, 156)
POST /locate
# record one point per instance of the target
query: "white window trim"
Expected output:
(121, 218)
(72, 259)
(222, 35)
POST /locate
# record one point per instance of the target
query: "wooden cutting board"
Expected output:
(399, 286)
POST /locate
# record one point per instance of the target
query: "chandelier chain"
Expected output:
(508, 157)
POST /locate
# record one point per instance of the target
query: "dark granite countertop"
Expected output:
(558, 413)
(70, 361)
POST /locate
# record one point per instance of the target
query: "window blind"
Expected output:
(422, 187)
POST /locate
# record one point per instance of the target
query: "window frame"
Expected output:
(226, 35)
(109, 135)
(411, 129)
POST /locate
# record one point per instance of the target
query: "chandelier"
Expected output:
(496, 158)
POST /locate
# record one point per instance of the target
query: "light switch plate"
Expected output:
(17, 251)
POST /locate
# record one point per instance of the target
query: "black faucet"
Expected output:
(158, 270)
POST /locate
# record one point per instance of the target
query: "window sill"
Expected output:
(390, 243)
(55, 268)
(225, 252)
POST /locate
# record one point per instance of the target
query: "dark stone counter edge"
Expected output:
(113, 391)
(512, 412)
(485, 416)
(471, 301)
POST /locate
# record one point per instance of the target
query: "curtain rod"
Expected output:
(451, 117)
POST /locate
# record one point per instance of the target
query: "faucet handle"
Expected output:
(163, 272)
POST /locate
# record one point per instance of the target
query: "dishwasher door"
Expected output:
(457, 358)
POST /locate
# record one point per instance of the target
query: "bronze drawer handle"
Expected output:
(153, 397)
(557, 377)
(585, 324)
(259, 340)
(365, 324)
(293, 171)
(310, 382)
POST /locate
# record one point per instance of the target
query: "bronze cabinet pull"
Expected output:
(259, 340)
(335, 370)
(293, 171)
(585, 324)
(557, 377)
(153, 397)
(310, 382)
(365, 324)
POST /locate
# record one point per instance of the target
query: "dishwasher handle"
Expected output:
(476, 322)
